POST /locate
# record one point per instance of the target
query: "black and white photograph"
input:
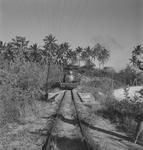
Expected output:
(71, 74)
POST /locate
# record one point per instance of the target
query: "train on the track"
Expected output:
(71, 78)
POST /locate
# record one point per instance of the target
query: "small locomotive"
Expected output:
(71, 78)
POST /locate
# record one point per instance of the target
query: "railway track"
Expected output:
(59, 115)
(79, 122)
(46, 146)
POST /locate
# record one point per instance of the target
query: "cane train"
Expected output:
(71, 78)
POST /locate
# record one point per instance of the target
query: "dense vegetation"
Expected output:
(28, 72)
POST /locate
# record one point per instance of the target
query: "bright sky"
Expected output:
(118, 24)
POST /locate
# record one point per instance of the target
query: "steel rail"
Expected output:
(79, 123)
(79, 97)
(49, 133)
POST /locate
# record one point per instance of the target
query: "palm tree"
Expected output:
(96, 51)
(19, 41)
(2, 50)
(50, 54)
(35, 53)
(78, 52)
(63, 54)
(101, 54)
(86, 53)
(9, 54)
(86, 56)
(20, 47)
(137, 57)
(2, 47)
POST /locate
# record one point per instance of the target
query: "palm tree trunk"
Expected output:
(47, 79)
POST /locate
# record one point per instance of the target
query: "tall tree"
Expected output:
(86, 56)
(86, 53)
(137, 57)
(101, 54)
(64, 54)
(35, 53)
(2, 47)
(50, 55)
(78, 52)
(8, 53)
(20, 47)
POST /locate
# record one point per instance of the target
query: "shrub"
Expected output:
(19, 90)
(103, 85)
(123, 114)
(20, 85)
